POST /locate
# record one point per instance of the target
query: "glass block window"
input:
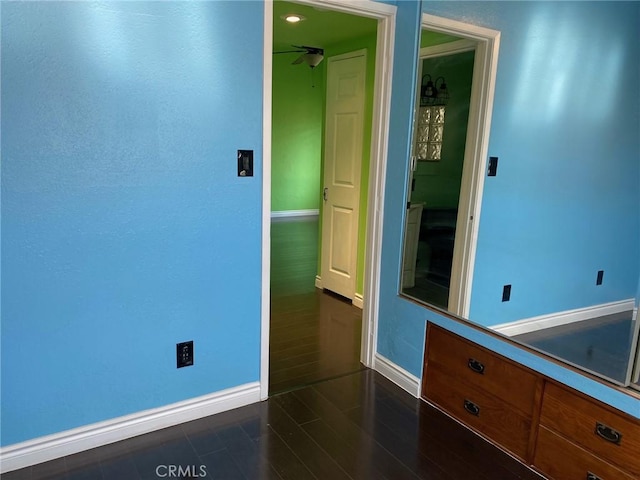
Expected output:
(429, 133)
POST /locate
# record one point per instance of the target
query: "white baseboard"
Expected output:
(358, 301)
(318, 281)
(397, 375)
(295, 213)
(43, 449)
(541, 322)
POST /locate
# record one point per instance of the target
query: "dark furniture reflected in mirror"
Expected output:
(445, 194)
(436, 236)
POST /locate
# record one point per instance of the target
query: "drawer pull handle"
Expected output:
(608, 433)
(475, 365)
(592, 476)
(471, 407)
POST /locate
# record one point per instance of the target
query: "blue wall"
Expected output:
(125, 228)
(565, 202)
(567, 183)
(401, 323)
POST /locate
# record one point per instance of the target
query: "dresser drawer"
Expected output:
(562, 460)
(483, 412)
(472, 364)
(596, 428)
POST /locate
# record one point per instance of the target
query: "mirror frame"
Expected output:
(487, 45)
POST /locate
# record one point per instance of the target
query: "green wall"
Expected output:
(298, 104)
(437, 184)
(429, 38)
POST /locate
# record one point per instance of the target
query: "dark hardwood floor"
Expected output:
(359, 426)
(294, 256)
(314, 335)
(602, 345)
(429, 291)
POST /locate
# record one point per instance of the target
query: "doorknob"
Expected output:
(325, 193)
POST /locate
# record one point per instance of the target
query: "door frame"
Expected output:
(386, 16)
(487, 45)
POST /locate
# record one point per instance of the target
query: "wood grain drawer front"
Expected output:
(562, 460)
(480, 410)
(472, 364)
(608, 435)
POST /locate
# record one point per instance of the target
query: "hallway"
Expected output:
(315, 335)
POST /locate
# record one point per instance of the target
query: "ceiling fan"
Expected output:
(312, 56)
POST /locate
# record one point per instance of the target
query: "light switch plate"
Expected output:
(245, 163)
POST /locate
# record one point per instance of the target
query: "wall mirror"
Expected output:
(513, 272)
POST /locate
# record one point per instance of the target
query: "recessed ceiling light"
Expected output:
(293, 18)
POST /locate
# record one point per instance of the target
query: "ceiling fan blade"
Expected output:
(299, 60)
(316, 50)
(290, 51)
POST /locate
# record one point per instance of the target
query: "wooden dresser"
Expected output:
(560, 432)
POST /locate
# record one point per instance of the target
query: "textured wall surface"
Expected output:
(125, 228)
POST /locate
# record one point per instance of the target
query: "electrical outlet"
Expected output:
(506, 293)
(184, 354)
(599, 277)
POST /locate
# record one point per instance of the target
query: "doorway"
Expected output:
(435, 195)
(381, 15)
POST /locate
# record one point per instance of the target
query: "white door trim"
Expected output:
(386, 16)
(265, 303)
(377, 177)
(487, 43)
(445, 49)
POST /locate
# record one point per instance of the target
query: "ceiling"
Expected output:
(321, 28)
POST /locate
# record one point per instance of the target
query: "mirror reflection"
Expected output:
(601, 338)
(439, 149)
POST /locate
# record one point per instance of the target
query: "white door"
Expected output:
(411, 237)
(342, 161)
